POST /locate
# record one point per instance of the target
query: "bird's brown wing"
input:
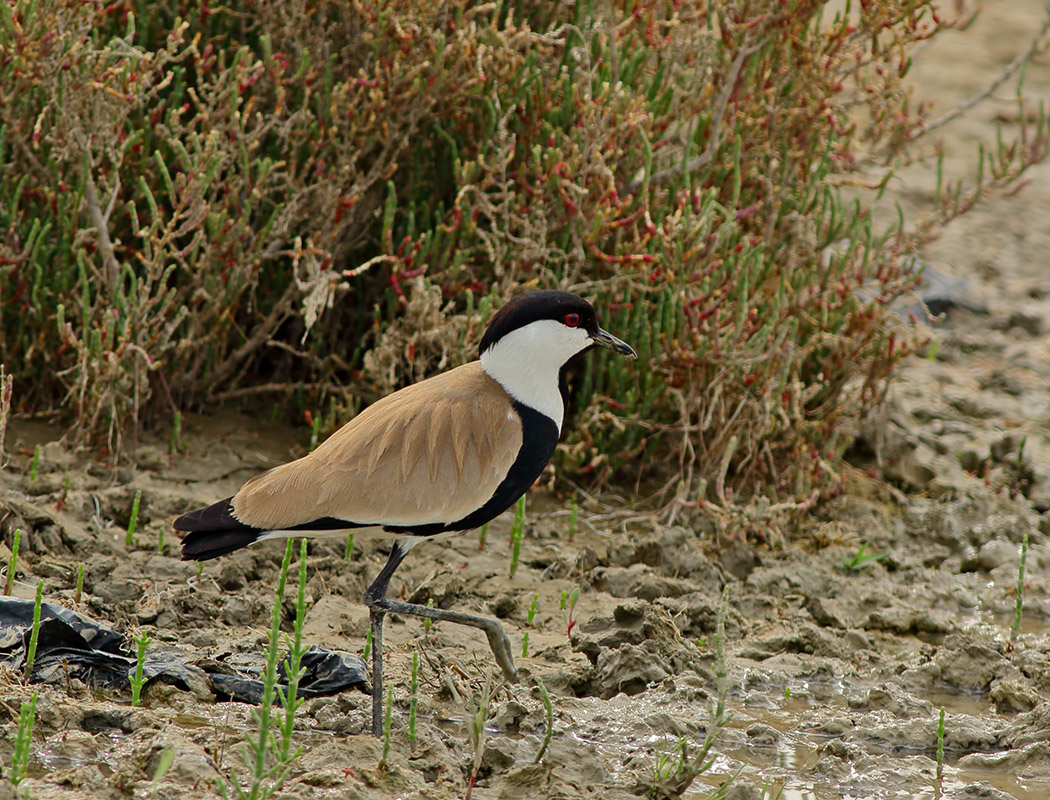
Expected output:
(430, 453)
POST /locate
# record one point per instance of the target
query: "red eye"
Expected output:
(572, 320)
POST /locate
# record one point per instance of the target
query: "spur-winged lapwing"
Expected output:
(447, 454)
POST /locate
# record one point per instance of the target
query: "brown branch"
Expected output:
(98, 219)
(978, 98)
(714, 140)
(278, 388)
(6, 389)
(281, 310)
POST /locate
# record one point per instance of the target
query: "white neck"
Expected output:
(527, 362)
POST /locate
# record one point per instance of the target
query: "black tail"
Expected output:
(214, 532)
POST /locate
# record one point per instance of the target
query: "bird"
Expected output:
(441, 456)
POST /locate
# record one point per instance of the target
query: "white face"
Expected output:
(527, 361)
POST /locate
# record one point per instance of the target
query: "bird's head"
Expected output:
(548, 326)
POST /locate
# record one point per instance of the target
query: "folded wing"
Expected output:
(431, 453)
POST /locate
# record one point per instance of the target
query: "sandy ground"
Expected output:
(835, 677)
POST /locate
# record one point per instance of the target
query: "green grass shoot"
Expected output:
(1015, 627)
(167, 758)
(574, 511)
(532, 616)
(568, 604)
(413, 698)
(133, 521)
(516, 532)
(34, 464)
(259, 745)
(427, 621)
(861, 559)
(138, 680)
(349, 548)
(368, 644)
(35, 635)
(23, 741)
(482, 535)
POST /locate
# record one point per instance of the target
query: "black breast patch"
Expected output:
(539, 437)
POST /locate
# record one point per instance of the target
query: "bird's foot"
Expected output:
(497, 637)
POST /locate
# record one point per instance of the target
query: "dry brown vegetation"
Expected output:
(314, 204)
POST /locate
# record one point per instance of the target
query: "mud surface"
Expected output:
(835, 676)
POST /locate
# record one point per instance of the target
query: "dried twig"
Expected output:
(281, 310)
(714, 140)
(6, 387)
(1011, 68)
(278, 388)
(99, 220)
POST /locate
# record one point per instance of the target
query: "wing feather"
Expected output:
(430, 453)
(462, 439)
(412, 449)
(437, 435)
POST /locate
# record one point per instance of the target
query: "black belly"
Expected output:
(539, 437)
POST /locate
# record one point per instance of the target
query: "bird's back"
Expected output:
(428, 454)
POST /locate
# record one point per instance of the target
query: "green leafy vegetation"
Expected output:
(133, 520)
(23, 741)
(533, 606)
(198, 208)
(268, 756)
(34, 635)
(517, 531)
(138, 680)
(860, 559)
(34, 464)
(1015, 626)
(569, 599)
(674, 767)
(413, 701)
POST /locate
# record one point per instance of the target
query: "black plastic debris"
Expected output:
(70, 647)
(326, 673)
(67, 645)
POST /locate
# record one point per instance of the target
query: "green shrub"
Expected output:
(320, 203)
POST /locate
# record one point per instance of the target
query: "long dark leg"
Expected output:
(375, 597)
(379, 605)
(376, 619)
